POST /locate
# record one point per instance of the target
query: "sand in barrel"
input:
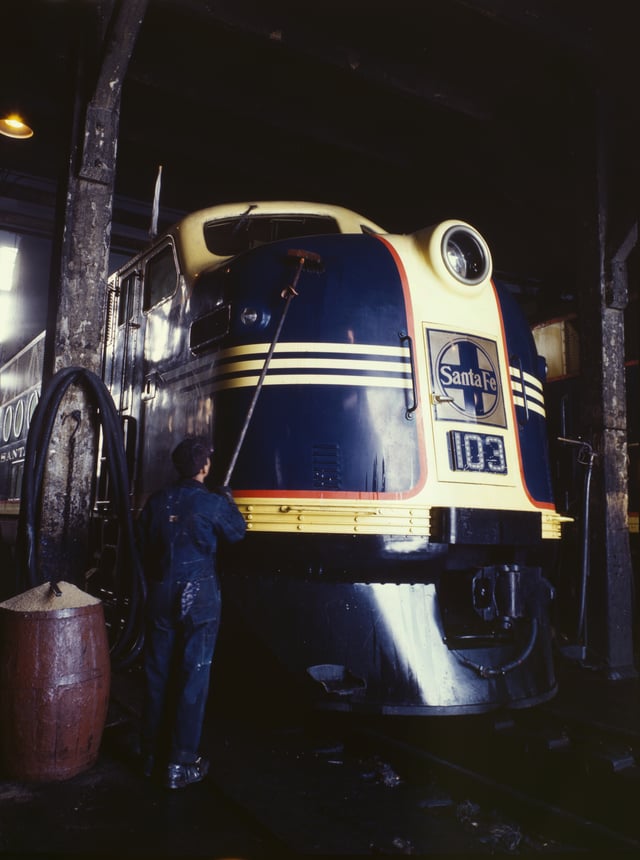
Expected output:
(42, 598)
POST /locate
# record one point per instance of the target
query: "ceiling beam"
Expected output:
(295, 31)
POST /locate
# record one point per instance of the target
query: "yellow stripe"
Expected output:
(332, 364)
(533, 381)
(532, 394)
(516, 384)
(313, 379)
(206, 372)
(552, 525)
(347, 348)
(334, 519)
(531, 405)
(528, 378)
(322, 518)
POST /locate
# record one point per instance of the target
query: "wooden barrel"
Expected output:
(55, 676)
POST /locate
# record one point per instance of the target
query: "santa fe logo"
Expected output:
(466, 377)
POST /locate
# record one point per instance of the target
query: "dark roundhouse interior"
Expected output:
(517, 118)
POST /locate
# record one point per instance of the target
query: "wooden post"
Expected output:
(612, 237)
(78, 300)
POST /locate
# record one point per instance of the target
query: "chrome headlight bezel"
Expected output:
(465, 255)
(254, 317)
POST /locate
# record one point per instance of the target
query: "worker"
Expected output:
(178, 532)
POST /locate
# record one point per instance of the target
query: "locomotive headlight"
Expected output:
(458, 255)
(254, 318)
(249, 316)
(466, 255)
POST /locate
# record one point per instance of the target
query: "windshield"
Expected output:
(230, 236)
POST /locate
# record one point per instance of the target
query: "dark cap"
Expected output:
(190, 456)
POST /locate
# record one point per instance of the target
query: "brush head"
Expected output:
(309, 259)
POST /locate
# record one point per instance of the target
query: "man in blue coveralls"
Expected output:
(178, 533)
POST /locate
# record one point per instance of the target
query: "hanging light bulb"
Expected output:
(14, 126)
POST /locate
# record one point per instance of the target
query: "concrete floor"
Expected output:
(110, 811)
(274, 790)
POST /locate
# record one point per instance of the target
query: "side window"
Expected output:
(161, 277)
(125, 306)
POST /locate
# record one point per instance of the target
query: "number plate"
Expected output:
(478, 452)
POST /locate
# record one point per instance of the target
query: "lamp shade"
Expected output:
(14, 126)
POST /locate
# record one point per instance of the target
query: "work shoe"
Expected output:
(181, 775)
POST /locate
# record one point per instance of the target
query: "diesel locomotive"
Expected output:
(375, 401)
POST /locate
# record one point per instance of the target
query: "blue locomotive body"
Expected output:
(331, 417)
(371, 563)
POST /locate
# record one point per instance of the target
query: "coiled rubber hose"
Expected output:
(129, 638)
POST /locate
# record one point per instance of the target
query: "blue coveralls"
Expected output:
(178, 532)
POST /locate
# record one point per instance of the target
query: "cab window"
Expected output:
(161, 277)
(230, 236)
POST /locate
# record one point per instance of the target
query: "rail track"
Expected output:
(556, 781)
(285, 780)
